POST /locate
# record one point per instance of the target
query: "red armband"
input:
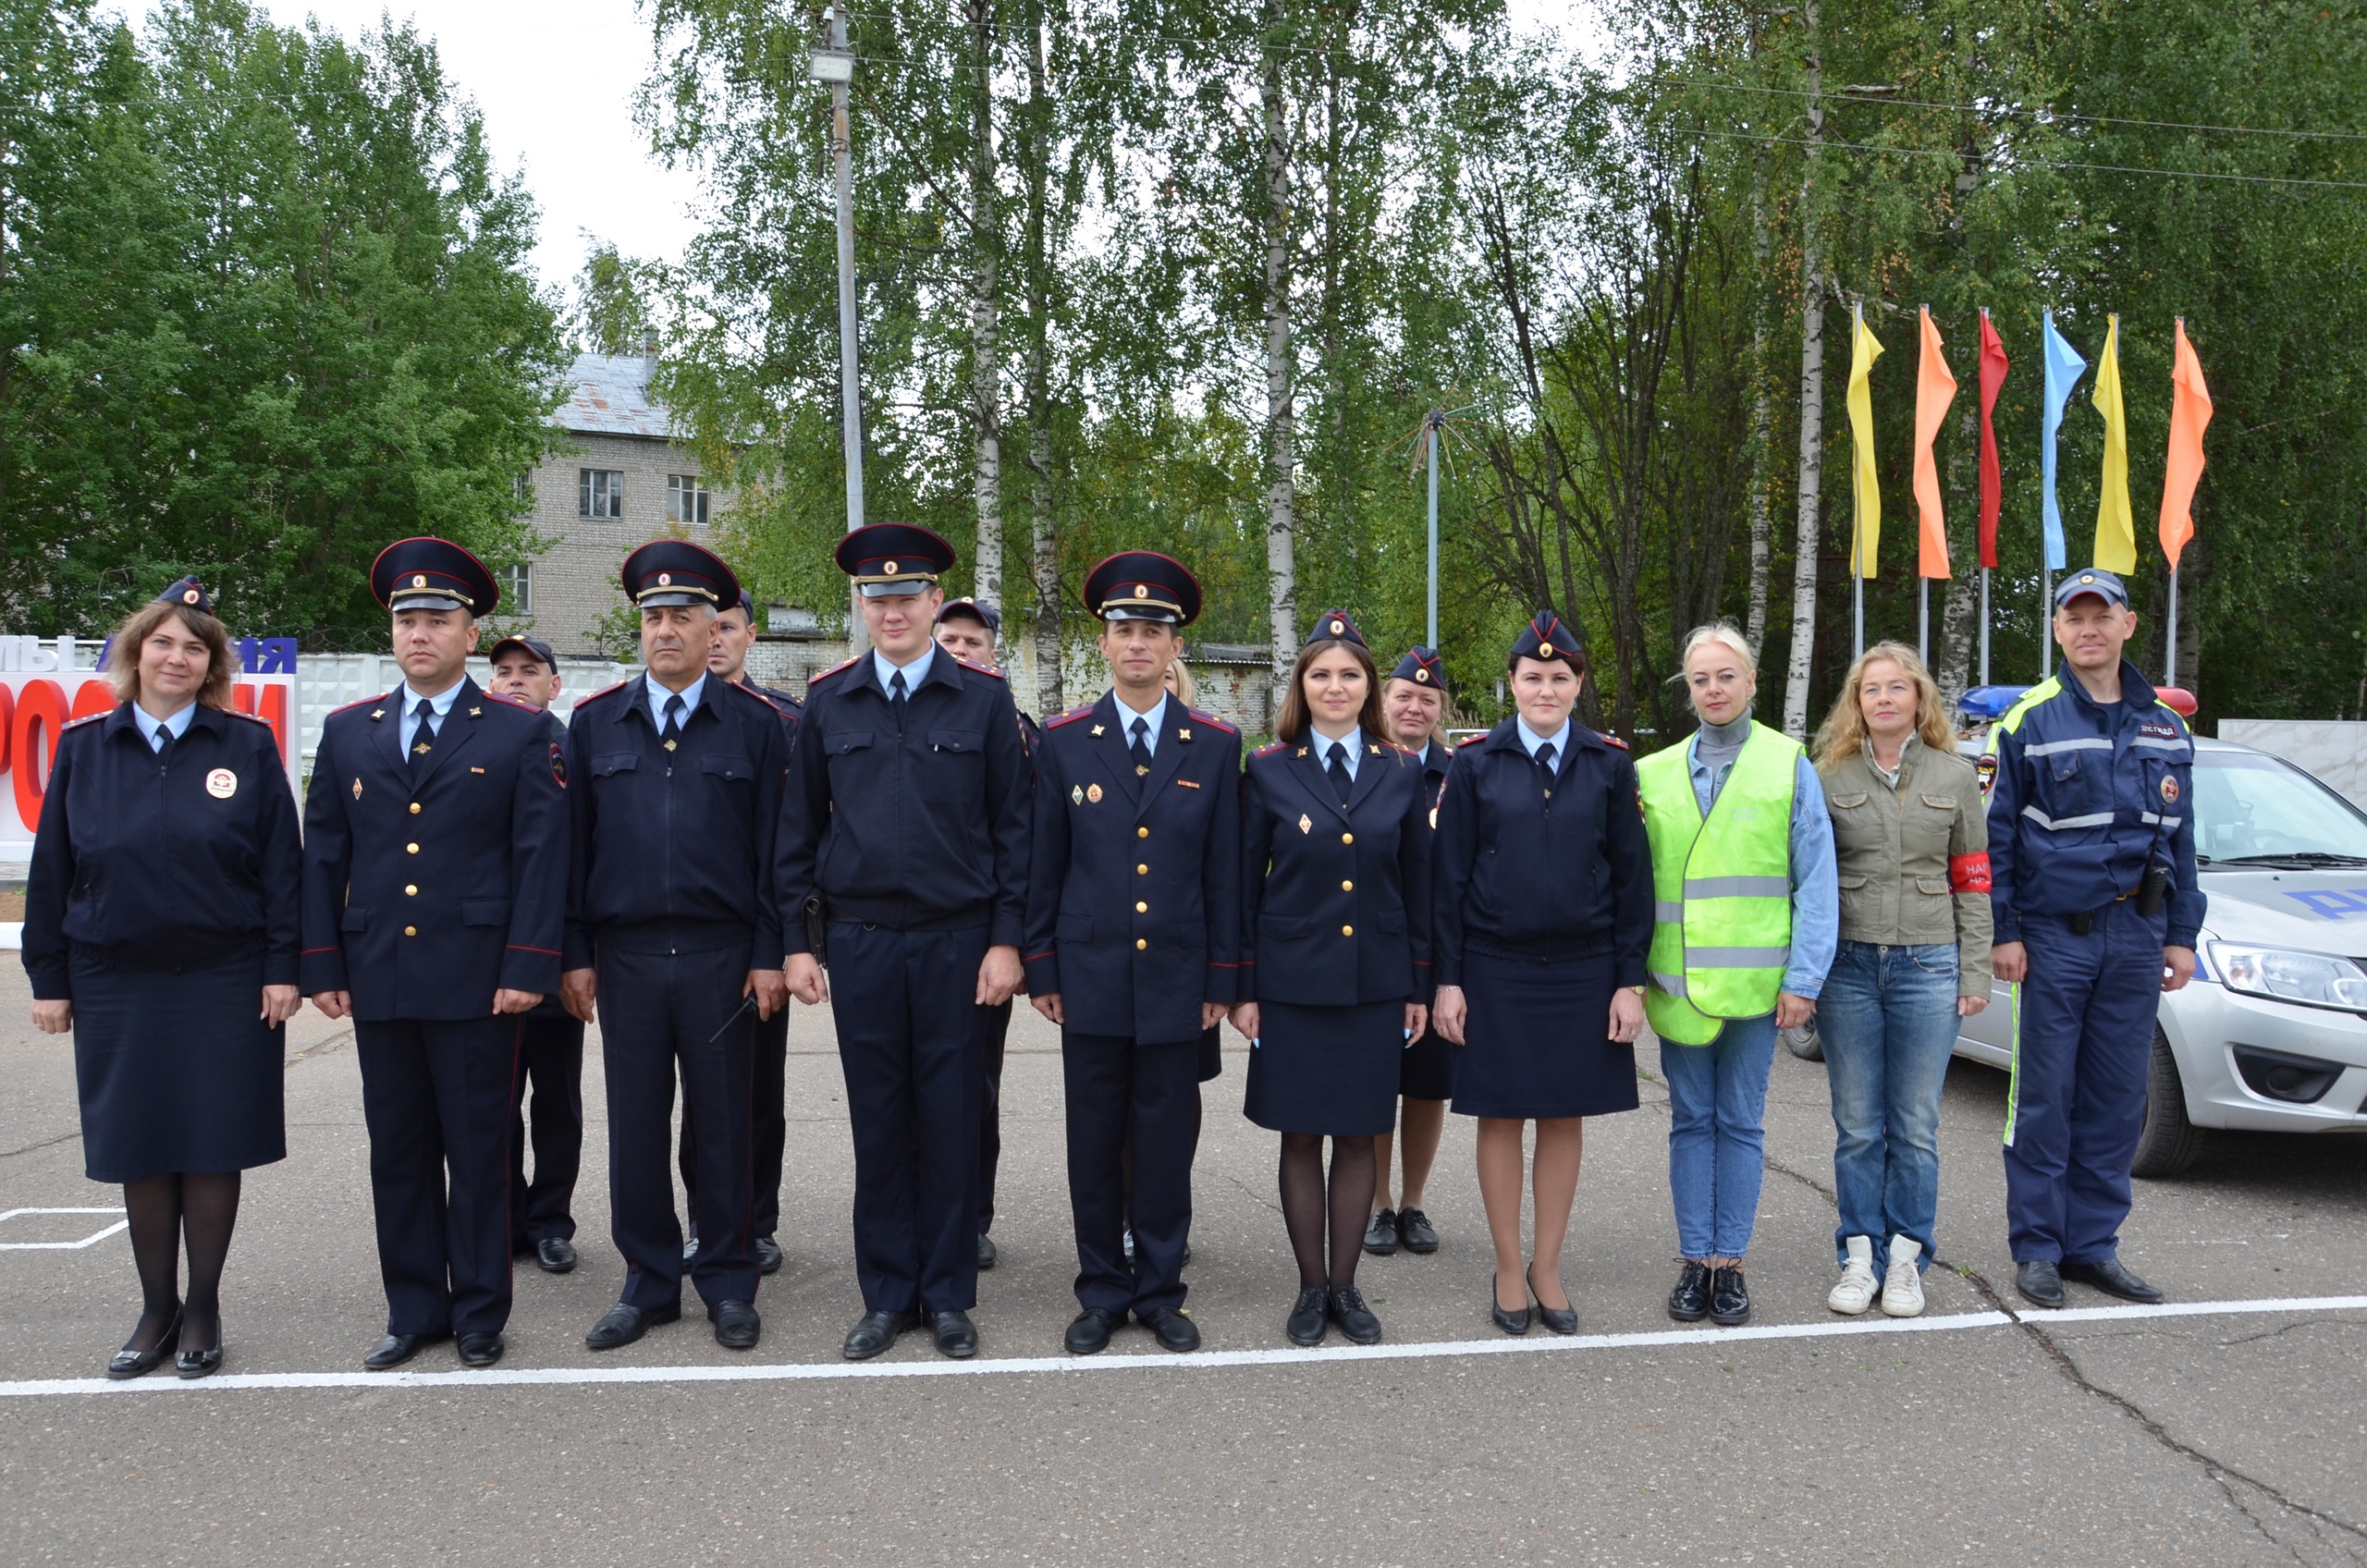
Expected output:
(1969, 874)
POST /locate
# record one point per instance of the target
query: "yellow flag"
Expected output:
(2115, 526)
(1866, 537)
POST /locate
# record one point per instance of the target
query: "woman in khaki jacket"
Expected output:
(1912, 843)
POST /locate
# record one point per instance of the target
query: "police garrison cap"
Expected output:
(1421, 666)
(1546, 638)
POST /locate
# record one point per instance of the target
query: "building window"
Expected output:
(518, 590)
(601, 493)
(685, 499)
(521, 489)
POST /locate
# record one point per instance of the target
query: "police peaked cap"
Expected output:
(1421, 666)
(427, 573)
(1545, 637)
(1335, 626)
(675, 571)
(893, 558)
(1143, 585)
(189, 594)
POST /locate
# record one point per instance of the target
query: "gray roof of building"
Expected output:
(610, 396)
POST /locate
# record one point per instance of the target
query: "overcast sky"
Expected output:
(556, 82)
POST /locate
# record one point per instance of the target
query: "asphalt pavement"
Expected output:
(1983, 1432)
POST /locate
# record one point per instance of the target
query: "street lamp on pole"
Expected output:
(835, 65)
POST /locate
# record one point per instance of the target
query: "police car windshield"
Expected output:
(2250, 807)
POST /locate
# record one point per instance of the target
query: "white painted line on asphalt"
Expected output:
(94, 1237)
(561, 1377)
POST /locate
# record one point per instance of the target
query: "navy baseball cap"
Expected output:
(1421, 666)
(2095, 581)
(1143, 585)
(888, 558)
(428, 573)
(535, 647)
(985, 615)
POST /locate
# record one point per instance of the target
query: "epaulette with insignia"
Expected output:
(363, 703)
(250, 717)
(1201, 715)
(1471, 741)
(86, 718)
(821, 675)
(979, 668)
(1269, 748)
(1608, 739)
(517, 703)
(613, 686)
(1069, 718)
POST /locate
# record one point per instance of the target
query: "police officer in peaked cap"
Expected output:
(2090, 782)
(672, 932)
(435, 894)
(1134, 945)
(907, 812)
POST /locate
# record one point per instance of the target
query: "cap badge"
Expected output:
(665, 579)
(221, 783)
(1422, 675)
(2086, 577)
(1093, 793)
(1142, 590)
(1338, 627)
(889, 569)
(188, 595)
(418, 579)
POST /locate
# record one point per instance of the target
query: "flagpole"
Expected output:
(2170, 648)
(1856, 522)
(1924, 619)
(2045, 620)
(1984, 626)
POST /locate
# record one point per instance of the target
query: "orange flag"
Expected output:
(1935, 389)
(2189, 412)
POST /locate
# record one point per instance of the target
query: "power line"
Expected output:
(1956, 156)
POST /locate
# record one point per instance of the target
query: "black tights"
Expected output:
(203, 1206)
(1353, 1174)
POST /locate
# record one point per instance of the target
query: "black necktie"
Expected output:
(164, 747)
(673, 727)
(1337, 769)
(897, 695)
(1545, 762)
(423, 735)
(1141, 748)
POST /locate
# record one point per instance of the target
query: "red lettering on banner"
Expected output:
(94, 695)
(7, 717)
(33, 743)
(274, 712)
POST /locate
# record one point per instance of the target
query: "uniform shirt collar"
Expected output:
(1354, 744)
(149, 725)
(441, 701)
(689, 695)
(1531, 739)
(1126, 717)
(915, 672)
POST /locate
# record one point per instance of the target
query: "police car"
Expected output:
(2271, 1033)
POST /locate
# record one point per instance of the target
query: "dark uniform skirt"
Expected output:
(1326, 1069)
(176, 1071)
(1537, 1040)
(1426, 1069)
(1211, 1053)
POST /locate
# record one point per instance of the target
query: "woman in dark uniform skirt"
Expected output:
(1335, 832)
(1545, 918)
(161, 927)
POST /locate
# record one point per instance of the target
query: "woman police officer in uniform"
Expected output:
(1335, 830)
(1544, 914)
(161, 927)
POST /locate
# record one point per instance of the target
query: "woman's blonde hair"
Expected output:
(1842, 734)
(1187, 688)
(122, 663)
(1722, 631)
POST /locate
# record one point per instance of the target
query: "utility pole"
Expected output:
(1436, 421)
(836, 65)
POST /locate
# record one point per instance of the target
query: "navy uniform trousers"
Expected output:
(550, 1061)
(662, 1014)
(912, 1042)
(435, 1096)
(1119, 1091)
(769, 1135)
(998, 1035)
(2083, 1045)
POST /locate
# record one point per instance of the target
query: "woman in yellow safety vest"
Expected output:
(1746, 916)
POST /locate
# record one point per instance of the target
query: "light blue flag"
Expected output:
(2063, 368)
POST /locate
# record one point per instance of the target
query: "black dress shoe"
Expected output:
(621, 1324)
(396, 1348)
(736, 1324)
(955, 1334)
(129, 1363)
(985, 1250)
(1561, 1320)
(2040, 1282)
(2111, 1277)
(555, 1254)
(1515, 1321)
(1172, 1328)
(1689, 1303)
(1381, 1232)
(768, 1259)
(874, 1333)
(1414, 1229)
(198, 1363)
(1729, 1297)
(1356, 1320)
(1089, 1335)
(1310, 1317)
(481, 1350)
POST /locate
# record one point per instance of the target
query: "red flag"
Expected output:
(1992, 484)
(2189, 412)
(1935, 389)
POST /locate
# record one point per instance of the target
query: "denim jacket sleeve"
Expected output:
(1816, 888)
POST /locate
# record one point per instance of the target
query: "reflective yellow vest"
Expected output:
(1722, 887)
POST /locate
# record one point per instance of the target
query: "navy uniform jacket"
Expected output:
(1134, 906)
(674, 850)
(1435, 757)
(1527, 876)
(424, 897)
(2083, 798)
(1335, 899)
(159, 861)
(922, 829)
(789, 707)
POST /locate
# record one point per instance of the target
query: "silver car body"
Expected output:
(2302, 911)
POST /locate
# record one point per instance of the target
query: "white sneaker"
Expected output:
(1856, 1291)
(1903, 1285)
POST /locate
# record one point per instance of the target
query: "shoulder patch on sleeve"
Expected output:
(978, 669)
(1201, 715)
(1985, 768)
(363, 703)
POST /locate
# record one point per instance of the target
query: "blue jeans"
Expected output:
(1717, 1154)
(1888, 1020)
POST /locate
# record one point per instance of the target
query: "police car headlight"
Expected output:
(2287, 975)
